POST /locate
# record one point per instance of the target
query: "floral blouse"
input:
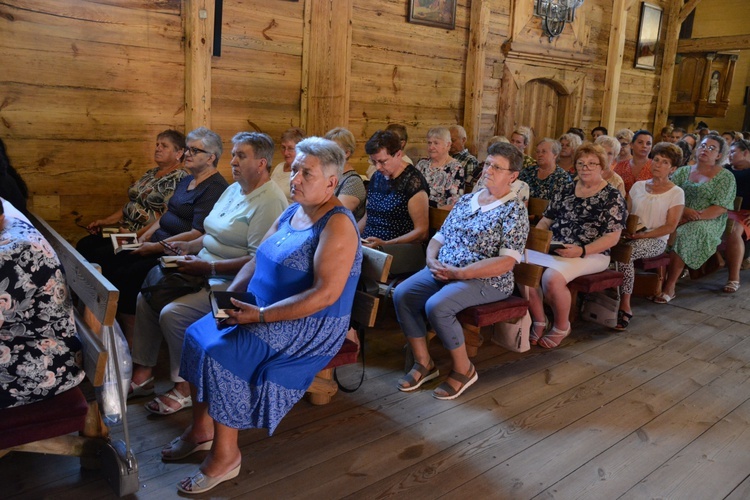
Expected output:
(624, 170)
(579, 221)
(446, 183)
(148, 198)
(472, 233)
(388, 204)
(40, 354)
(558, 180)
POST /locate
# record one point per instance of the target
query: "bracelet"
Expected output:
(583, 250)
(212, 265)
(261, 318)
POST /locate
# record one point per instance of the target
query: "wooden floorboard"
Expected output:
(659, 411)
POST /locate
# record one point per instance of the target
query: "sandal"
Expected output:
(451, 393)
(664, 298)
(731, 286)
(554, 337)
(533, 337)
(199, 482)
(163, 409)
(623, 320)
(139, 390)
(408, 383)
(180, 448)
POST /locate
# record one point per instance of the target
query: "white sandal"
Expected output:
(139, 390)
(163, 409)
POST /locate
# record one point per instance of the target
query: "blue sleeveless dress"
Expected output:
(251, 375)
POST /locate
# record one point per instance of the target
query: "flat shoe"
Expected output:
(163, 409)
(426, 373)
(731, 286)
(664, 298)
(554, 337)
(179, 449)
(451, 393)
(623, 320)
(199, 482)
(140, 390)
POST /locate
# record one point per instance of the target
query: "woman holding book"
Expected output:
(234, 229)
(302, 282)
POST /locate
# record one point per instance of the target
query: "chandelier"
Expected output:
(555, 13)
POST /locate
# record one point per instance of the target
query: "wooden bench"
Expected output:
(375, 268)
(46, 426)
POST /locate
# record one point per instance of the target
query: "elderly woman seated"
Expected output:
(586, 219)
(658, 203)
(280, 174)
(351, 189)
(40, 353)
(545, 177)
(234, 229)
(443, 174)
(469, 262)
(612, 148)
(709, 193)
(302, 284)
(569, 142)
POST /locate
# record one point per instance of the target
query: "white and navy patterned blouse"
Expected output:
(472, 233)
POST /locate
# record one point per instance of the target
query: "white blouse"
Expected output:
(652, 208)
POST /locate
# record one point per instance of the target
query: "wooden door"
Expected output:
(537, 107)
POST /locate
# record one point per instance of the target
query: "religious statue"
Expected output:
(713, 87)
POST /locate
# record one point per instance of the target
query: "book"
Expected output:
(171, 261)
(555, 245)
(220, 302)
(122, 242)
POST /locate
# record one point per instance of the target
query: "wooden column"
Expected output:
(616, 51)
(326, 65)
(728, 81)
(199, 36)
(506, 111)
(475, 63)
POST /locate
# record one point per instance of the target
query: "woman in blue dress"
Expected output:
(252, 373)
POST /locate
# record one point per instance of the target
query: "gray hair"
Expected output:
(556, 147)
(458, 128)
(574, 140)
(210, 139)
(343, 138)
(262, 145)
(330, 154)
(626, 134)
(441, 133)
(610, 142)
(524, 132)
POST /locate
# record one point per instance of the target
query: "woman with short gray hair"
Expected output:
(443, 174)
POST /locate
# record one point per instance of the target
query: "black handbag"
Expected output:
(163, 286)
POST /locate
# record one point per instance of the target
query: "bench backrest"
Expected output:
(375, 267)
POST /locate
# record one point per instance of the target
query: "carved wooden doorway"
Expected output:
(539, 107)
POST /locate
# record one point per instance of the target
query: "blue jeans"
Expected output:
(422, 295)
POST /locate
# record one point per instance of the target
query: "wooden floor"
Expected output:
(662, 411)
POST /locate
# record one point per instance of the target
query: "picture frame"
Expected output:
(649, 34)
(436, 13)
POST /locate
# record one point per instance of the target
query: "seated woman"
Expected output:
(234, 229)
(545, 178)
(40, 354)
(147, 199)
(193, 199)
(469, 262)
(587, 218)
(280, 174)
(709, 193)
(638, 168)
(444, 174)
(659, 204)
(569, 142)
(625, 138)
(351, 189)
(302, 280)
(739, 166)
(612, 148)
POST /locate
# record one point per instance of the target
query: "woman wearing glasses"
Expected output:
(709, 193)
(587, 218)
(469, 262)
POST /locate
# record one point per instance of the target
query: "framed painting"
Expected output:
(437, 13)
(649, 32)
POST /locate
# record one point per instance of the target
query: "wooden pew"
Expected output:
(375, 268)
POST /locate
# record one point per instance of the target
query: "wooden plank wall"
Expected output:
(87, 84)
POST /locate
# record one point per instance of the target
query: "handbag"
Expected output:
(513, 336)
(601, 308)
(163, 286)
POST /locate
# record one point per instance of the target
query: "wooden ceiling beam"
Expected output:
(714, 44)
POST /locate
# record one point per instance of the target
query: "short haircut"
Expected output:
(441, 133)
(383, 139)
(399, 130)
(458, 128)
(671, 152)
(175, 137)
(262, 145)
(625, 134)
(343, 138)
(577, 131)
(294, 134)
(611, 142)
(680, 130)
(603, 130)
(509, 152)
(641, 132)
(556, 147)
(524, 132)
(330, 154)
(742, 144)
(210, 139)
(497, 138)
(588, 148)
(574, 139)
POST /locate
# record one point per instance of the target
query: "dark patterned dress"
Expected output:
(251, 375)
(388, 203)
(40, 355)
(446, 182)
(557, 181)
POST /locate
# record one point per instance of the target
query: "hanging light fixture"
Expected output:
(555, 13)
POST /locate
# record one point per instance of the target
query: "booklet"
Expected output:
(122, 242)
(555, 245)
(220, 302)
(168, 261)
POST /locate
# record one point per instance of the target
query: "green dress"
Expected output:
(697, 240)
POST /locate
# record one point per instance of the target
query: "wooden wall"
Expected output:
(87, 84)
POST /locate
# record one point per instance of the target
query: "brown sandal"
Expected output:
(451, 393)
(408, 383)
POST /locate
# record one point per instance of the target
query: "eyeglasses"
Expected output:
(496, 168)
(705, 146)
(587, 166)
(195, 151)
